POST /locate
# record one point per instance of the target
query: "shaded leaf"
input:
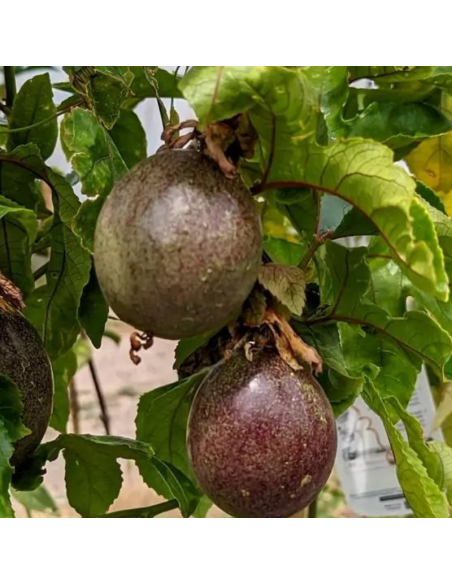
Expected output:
(64, 369)
(6, 451)
(254, 308)
(34, 104)
(186, 347)
(162, 420)
(130, 138)
(330, 85)
(18, 228)
(53, 307)
(11, 430)
(38, 500)
(93, 310)
(398, 124)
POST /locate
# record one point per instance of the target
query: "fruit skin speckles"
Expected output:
(257, 428)
(24, 360)
(177, 246)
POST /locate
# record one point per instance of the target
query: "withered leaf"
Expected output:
(286, 283)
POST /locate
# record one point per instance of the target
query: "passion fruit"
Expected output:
(261, 436)
(177, 246)
(24, 360)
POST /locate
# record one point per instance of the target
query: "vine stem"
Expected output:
(100, 396)
(75, 407)
(10, 85)
(144, 512)
(312, 510)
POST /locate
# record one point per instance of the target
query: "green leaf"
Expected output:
(186, 347)
(6, 451)
(330, 85)
(18, 184)
(11, 430)
(344, 286)
(93, 310)
(360, 172)
(279, 101)
(162, 420)
(302, 207)
(64, 369)
(34, 104)
(130, 138)
(398, 124)
(38, 500)
(107, 93)
(444, 453)
(388, 287)
(389, 74)
(91, 152)
(341, 391)
(286, 283)
(11, 409)
(415, 434)
(18, 228)
(422, 493)
(53, 307)
(282, 251)
(430, 196)
(444, 408)
(93, 475)
(95, 158)
(351, 168)
(166, 82)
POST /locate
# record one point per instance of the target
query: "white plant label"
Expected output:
(365, 463)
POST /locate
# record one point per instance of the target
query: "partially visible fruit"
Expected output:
(261, 436)
(177, 246)
(24, 360)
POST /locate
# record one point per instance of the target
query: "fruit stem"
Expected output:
(312, 510)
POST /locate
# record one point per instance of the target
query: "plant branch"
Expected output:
(10, 85)
(75, 407)
(4, 108)
(312, 509)
(317, 242)
(144, 512)
(37, 124)
(41, 271)
(271, 153)
(100, 396)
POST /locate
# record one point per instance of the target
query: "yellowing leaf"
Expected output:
(431, 162)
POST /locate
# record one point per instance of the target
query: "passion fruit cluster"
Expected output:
(178, 247)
